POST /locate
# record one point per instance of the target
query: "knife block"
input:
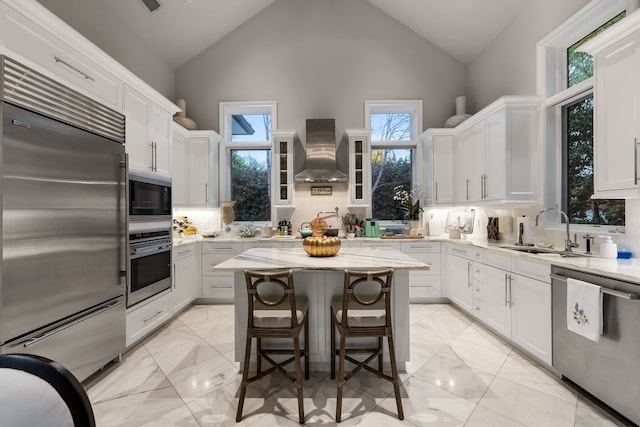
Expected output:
(492, 228)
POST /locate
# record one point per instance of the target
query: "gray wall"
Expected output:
(508, 65)
(99, 23)
(320, 59)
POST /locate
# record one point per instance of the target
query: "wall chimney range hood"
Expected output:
(320, 163)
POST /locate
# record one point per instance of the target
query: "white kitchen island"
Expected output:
(319, 279)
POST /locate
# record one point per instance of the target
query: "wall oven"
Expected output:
(149, 198)
(149, 261)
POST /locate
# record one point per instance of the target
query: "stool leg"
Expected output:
(306, 348)
(245, 377)
(340, 377)
(396, 379)
(333, 345)
(296, 350)
(258, 355)
(380, 349)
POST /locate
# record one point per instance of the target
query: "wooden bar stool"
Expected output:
(363, 313)
(275, 312)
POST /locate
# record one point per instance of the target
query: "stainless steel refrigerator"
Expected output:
(63, 223)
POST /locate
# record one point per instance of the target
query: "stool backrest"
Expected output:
(269, 289)
(35, 390)
(382, 281)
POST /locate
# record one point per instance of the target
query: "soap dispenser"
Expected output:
(608, 249)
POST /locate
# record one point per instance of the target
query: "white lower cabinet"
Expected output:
(424, 284)
(145, 317)
(519, 307)
(218, 286)
(460, 265)
(184, 280)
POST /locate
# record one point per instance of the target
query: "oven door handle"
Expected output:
(150, 250)
(608, 291)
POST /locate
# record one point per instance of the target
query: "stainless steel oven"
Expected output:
(149, 260)
(149, 198)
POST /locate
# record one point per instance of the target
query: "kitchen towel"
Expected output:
(584, 309)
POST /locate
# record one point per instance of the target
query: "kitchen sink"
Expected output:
(545, 251)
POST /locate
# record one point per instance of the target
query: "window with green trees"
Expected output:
(578, 146)
(580, 207)
(395, 126)
(251, 184)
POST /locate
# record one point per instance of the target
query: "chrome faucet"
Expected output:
(568, 244)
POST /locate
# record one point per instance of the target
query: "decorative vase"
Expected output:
(414, 227)
(228, 214)
(461, 116)
(181, 116)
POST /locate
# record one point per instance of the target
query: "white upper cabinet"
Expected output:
(439, 145)
(282, 176)
(25, 37)
(617, 109)
(359, 166)
(495, 155)
(148, 132)
(194, 160)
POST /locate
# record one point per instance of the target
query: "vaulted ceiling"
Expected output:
(180, 29)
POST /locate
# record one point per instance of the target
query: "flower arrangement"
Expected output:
(410, 201)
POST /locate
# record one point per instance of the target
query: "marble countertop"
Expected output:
(622, 269)
(297, 259)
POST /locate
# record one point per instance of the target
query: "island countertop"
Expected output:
(297, 259)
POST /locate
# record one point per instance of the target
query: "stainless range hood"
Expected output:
(321, 153)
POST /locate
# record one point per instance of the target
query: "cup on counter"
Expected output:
(351, 235)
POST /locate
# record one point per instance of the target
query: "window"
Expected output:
(246, 163)
(395, 128)
(578, 167)
(569, 117)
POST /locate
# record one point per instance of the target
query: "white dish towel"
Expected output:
(584, 309)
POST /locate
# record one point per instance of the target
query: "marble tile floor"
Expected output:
(459, 375)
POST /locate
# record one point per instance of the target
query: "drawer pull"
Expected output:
(154, 315)
(83, 74)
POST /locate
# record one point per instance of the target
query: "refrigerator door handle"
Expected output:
(32, 341)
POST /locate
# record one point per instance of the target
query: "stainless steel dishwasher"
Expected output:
(607, 369)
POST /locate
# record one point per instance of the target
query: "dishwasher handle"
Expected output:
(608, 291)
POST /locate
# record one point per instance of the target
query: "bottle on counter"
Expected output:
(608, 249)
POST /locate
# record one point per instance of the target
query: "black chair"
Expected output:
(275, 312)
(363, 314)
(36, 391)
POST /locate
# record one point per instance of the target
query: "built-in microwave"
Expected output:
(149, 198)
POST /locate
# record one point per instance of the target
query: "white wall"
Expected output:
(320, 59)
(508, 65)
(98, 23)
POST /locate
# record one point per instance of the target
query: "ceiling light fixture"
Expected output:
(152, 5)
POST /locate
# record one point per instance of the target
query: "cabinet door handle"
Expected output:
(467, 188)
(436, 198)
(173, 277)
(506, 281)
(206, 193)
(83, 74)
(511, 302)
(153, 156)
(469, 267)
(635, 161)
(481, 186)
(154, 315)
